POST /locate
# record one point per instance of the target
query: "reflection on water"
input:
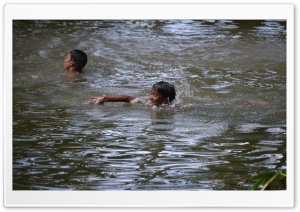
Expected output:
(230, 80)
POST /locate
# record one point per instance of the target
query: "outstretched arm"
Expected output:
(115, 98)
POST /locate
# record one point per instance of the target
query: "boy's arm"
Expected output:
(115, 98)
(118, 98)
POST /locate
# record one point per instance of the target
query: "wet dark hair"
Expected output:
(79, 58)
(165, 89)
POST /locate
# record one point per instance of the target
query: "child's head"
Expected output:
(162, 93)
(75, 60)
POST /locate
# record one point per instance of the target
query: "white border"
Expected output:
(146, 198)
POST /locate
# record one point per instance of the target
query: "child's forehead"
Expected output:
(154, 90)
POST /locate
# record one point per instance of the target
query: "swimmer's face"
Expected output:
(68, 62)
(156, 98)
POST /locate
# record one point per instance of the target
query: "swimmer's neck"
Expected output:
(74, 71)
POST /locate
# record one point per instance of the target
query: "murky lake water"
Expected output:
(230, 79)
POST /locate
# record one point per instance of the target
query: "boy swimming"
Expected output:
(75, 61)
(162, 94)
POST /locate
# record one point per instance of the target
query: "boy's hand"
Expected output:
(95, 100)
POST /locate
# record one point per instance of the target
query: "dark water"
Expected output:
(230, 79)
